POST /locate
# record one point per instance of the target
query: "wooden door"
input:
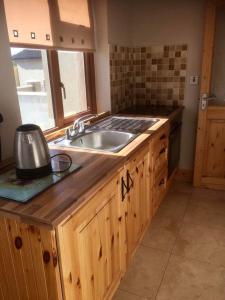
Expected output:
(138, 206)
(91, 248)
(209, 131)
(214, 167)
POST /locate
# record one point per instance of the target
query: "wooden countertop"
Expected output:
(59, 201)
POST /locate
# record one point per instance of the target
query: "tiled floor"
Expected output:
(182, 256)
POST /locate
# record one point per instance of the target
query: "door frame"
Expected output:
(206, 74)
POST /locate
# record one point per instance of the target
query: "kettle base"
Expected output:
(34, 173)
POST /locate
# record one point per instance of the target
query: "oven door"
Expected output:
(174, 148)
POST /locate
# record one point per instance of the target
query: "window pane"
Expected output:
(33, 86)
(72, 74)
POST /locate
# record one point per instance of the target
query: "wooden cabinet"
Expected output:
(138, 201)
(85, 257)
(29, 268)
(92, 246)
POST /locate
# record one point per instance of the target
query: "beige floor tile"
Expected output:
(167, 222)
(123, 295)
(187, 279)
(174, 206)
(161, 236)
(201, 242)
(197, 214)
(208, 194)
(211, 200)
(145, 273)
(183, 187)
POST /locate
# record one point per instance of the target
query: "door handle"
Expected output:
(162, 182)
(205, 99)
(63, 89)
(163, 150)
(162, 137)
(130, 182)
(124, 189)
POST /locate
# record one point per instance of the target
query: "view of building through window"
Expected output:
(33, 86)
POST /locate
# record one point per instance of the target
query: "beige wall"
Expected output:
(120, 13)
(9, 106)
(101, 56)
(166, 22)
(218, 75)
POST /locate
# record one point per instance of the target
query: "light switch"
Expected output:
(194, 80)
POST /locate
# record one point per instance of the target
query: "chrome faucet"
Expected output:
(78, 126)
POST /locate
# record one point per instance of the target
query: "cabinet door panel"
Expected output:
(91, 250)
(215, 149)
(138, 201)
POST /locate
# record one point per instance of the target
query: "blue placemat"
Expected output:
(24, 190)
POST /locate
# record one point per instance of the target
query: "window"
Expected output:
(72, 74)
(53, 87)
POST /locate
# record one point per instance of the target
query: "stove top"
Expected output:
(151, 110)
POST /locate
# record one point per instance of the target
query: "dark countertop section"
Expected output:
(159, 111)
(55, 203)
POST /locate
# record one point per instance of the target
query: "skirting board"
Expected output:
(184, 175)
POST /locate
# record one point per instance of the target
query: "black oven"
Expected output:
(1, 120)
(174, 144)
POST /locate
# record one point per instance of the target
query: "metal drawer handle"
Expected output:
(162, 137)
(130, 182)
(162, 151)
(124, 189)
(162, 182)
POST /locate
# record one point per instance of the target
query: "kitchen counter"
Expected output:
(59, 201)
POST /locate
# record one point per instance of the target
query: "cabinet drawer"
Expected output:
(159, 189)
(160, 140)
(160, 160)
(160, 151)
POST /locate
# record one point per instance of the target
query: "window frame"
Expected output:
(56, 92)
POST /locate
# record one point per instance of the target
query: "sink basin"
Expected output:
(103, 140)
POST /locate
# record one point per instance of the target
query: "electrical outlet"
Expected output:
(194, 80)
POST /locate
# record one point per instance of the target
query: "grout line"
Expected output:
(171, 251)
(163, 275)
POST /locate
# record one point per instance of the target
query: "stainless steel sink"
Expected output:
(112, 134)
(112, 141)
(104, 140)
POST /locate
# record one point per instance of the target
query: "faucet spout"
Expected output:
(78, 126)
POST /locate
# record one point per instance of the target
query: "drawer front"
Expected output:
(160, 139)
(160, 151)
(160, 160)
(159, 189)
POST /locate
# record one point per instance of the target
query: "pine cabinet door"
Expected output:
(138, 209)
(91, 252)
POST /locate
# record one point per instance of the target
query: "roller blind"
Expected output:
(61, 24)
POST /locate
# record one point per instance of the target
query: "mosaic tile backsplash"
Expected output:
(153, 75)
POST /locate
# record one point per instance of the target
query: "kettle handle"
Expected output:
(69, 161)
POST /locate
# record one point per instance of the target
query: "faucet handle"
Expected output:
(71, 132)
